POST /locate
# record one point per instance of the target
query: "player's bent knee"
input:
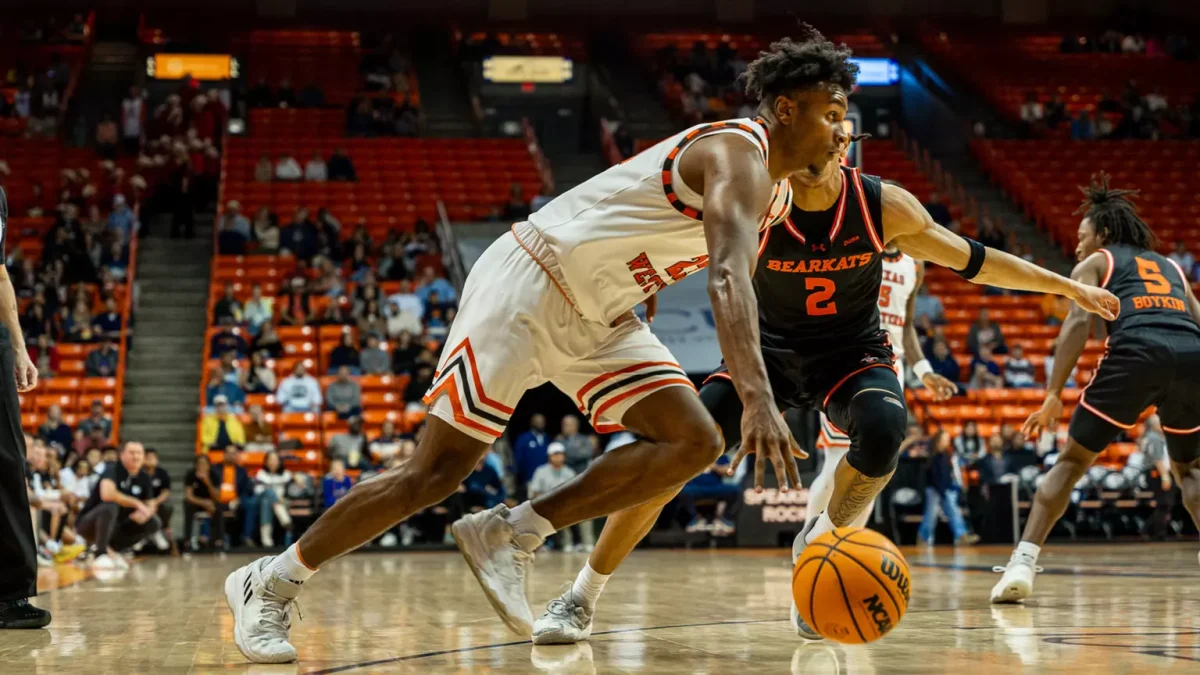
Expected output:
(880, 419)
(696, 445)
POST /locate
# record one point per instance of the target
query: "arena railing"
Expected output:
(449, 243)
(539, 157)
(126, 327)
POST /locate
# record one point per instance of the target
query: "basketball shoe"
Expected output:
(798, 545)
(500, 559)
(1017, 582)
(564, 622)
(262, 602)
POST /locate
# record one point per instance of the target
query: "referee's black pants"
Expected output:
(18, 545)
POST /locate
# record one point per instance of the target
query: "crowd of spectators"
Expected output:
(286, 169)
(1114, 41)
(35, 97)
(386, 106)
(1135, 113)
(703, 83)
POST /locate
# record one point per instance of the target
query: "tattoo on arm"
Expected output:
(860, 494)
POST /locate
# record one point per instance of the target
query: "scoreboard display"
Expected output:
(200, 66)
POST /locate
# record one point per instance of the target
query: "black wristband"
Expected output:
(978, 254)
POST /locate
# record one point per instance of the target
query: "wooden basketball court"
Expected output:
(1128, 608)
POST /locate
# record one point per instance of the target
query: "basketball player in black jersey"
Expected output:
(817, 284)
(1152, 357)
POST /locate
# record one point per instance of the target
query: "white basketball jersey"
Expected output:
(636, 228)
(899, 283)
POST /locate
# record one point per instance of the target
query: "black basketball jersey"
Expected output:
(819, 273)
(1152, 290)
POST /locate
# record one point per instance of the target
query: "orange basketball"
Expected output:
(851, 585)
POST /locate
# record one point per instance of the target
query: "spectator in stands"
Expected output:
(1032, 112)
(581, 448)
(985, 371)
(267, 341)
(431, 283)
(938, 210)
(1133, 43)
(220, 388)
(133, 115)
(310, 96)
(345, 355)
(294, 309)
(228, 340)
(301, 236)
(992, 465)
(371, 320)
(260, 377)
(260, 434)
(339, 167)
(1018, 371)
(399, 321)
(419, 383)
(236, 491)
(991, 235)
(517, 207)
(285, 95)
(258, 309)
(943, 362)
(711, 485)
(260, 95)
(122, 222)
(107, 137)
(160, 494)
(929, 305)
(102, 362)
(985, 332)
(549, 475)
(335, 484)
(35, 323)
(299, 392)
(968, 443)
(96, 419)
(201, 495)
(1050, 367)
(387, 444)
(1082, 127)
(233, 219)
(315, 171)
(118, 515)
(219, 429)
(228, 311)
(107, 324)
(77, 325)
(264, 171)
(91, 438)
(404, 355)
(271, 486)
(266, 231)
(344, 395)
(373, 360)
(943, 485)
(1183, 257)
(54, 431)
(484, 488)
(288, 169)
(1056, 111)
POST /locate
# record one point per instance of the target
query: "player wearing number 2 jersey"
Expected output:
(817, 283)
(1151, 357)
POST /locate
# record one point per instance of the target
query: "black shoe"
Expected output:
(21, 614)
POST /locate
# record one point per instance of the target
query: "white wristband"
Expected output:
(922, 368)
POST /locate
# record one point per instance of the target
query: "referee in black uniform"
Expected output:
(18, 546)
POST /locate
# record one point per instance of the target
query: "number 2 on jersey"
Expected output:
(1150, 273)
(823, 291)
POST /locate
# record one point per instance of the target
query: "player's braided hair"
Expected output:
(1114, 215)
(806, 61)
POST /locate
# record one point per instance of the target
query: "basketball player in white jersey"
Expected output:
(902, 276)
(552, 301)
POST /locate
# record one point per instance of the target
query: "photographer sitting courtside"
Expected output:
(120, 511)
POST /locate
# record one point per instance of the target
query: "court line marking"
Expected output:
(618, 631)
(1096, 571)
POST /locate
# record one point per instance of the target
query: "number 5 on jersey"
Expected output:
(1150, 273)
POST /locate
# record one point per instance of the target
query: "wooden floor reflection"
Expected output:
(1125, 609)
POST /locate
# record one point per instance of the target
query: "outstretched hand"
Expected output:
(765, 433)
(1097, 301)
(1043, 417)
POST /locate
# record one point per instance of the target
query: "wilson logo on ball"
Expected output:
(894, 572)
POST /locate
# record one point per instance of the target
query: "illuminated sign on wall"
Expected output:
(876, 72)
(199, 66)
(523, 69)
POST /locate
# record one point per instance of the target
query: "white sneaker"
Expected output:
(563, 623)
(264, 536)
(109, 563)
(261, 602)
(500, 559)
(389, 540)
(160, 541)
(798, 624)
(1017, 582)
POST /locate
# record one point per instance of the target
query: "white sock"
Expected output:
(527, 521)
(1029, 549)
(291, 566)
(588, 586)
(823, 525)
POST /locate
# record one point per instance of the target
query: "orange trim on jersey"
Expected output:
(465, 345)
(669, 162)
(866, 211)
(718, 375)
(1182, 276)
(1099, 362)
(843, 381)
(451, 384)
(762, 240)
(513, 229)
(1170, 430)
(839, 215)
(1102, 416)
(644, 389)
(1111, 266)
(627, 369)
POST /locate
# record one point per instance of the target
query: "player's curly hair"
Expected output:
(805, 61)
(1114, 215)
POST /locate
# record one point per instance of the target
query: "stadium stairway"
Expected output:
(572, 168)
(161, 380)
(640, 102)
(446, 108)
(107, 77)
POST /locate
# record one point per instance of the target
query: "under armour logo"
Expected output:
(893, 401)
(870, 359)
(849, 241)
(819, 247)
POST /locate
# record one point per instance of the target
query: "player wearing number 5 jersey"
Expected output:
(817, 283)
(1151, 357)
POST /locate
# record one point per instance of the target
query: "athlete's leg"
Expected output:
(1184, 450)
